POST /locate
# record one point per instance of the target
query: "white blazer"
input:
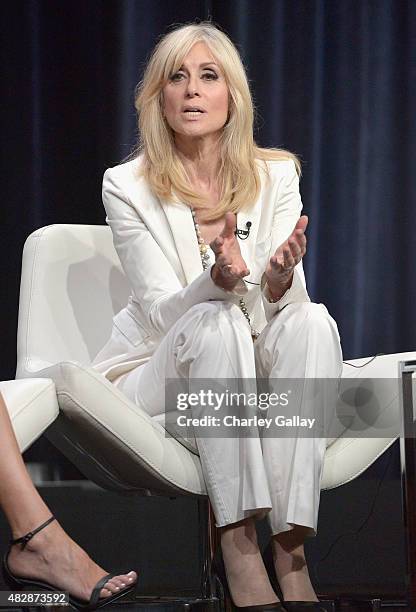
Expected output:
(158, 249)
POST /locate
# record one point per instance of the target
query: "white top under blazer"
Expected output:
(158, 249)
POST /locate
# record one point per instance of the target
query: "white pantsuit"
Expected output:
(179, 324)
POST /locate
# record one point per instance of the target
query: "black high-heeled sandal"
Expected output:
(218, 568)
(95, 600)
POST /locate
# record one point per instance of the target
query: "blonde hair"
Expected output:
(239, 179)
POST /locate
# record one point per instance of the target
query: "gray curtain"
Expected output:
(333, 81)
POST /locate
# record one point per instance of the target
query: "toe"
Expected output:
(109, 588)
(131, 577)
(124, 580)
(118, 583)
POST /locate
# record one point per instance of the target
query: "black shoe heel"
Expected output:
(218, 569)
(95, 601)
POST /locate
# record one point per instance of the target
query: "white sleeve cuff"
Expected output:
(296, 293)
(239, 290)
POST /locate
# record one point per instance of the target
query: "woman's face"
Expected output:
(195, 99)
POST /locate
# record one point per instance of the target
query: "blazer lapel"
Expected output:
(182, 227)
(183, 232)
(247, 246)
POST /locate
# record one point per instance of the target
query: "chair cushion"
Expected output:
(184, 435)
(32, 406)
(127, 442)
(369, 416)
(133, 447)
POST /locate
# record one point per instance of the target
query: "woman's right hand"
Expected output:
(229, 265)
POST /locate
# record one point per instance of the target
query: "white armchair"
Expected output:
(72, 285)
(32, 407)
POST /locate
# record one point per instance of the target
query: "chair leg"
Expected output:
(209, 541)
(408, 474)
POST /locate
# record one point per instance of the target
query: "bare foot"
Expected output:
(291, 567)
(51, 556)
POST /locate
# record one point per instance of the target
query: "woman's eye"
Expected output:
(177, 76)
(208, 76)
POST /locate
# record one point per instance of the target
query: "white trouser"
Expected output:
(249, 475)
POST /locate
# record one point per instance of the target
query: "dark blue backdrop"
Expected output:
(334, 81)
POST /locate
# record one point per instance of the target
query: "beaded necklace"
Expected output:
(203, 251)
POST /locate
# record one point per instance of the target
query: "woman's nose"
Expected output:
(192, 89)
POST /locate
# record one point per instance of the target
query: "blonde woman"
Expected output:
(41, 555)
(209, 301)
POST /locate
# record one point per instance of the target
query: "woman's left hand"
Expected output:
(279, 272)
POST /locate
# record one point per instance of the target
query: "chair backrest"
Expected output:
(72, 285)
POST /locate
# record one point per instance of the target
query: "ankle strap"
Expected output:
(26, 538)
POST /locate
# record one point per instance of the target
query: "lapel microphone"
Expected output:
(243, 234)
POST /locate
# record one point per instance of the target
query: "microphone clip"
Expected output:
(243, 234)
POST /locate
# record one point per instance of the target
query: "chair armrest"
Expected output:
(32, 406)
